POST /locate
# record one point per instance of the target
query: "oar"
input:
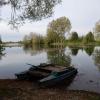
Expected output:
(33, 67)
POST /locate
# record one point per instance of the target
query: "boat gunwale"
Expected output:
(67, 75)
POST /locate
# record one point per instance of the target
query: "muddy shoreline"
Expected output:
(26, 90)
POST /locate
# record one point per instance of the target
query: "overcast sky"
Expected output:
(83, 15)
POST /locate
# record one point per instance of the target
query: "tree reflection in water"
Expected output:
(74, 50)
(1, 52)
(96, 57)
(57, 56)
(54, 54)
(33, 50)
(89, 50)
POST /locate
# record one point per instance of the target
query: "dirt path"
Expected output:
(24, 90)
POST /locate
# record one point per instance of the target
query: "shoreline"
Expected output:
(11, 89)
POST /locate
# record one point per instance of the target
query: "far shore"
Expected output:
(74, 44)
(26, 90)
(12, 44)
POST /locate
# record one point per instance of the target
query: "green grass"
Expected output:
(78, 43)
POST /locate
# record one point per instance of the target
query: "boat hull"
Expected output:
(60, 79)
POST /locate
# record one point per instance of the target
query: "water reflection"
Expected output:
(1, 52)
(74, 50)
(96, 57)
(88, 77)
(57, 56)
(33, 50)
(89, 50)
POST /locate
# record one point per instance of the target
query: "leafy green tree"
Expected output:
(36, 38)
(29, 9)
(57, 28)
(26, 40)
(80, 39)
(74, 36)
(97, 31)
(89, 38)
(52, 37)
(33, 39)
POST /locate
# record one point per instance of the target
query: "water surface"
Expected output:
(85, 59)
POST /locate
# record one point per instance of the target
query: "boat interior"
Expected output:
(45, 71)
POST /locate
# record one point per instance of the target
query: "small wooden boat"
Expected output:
(48, 74)
(23, 75)
(35, 72)
(56, 77)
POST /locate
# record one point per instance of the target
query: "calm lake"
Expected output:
(85, 59)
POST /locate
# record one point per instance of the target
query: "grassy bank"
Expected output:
(75, 43)
(68, 43)
(24, 90)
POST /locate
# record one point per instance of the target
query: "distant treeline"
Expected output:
(33, 38)
(87, 39)
(56, 35)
